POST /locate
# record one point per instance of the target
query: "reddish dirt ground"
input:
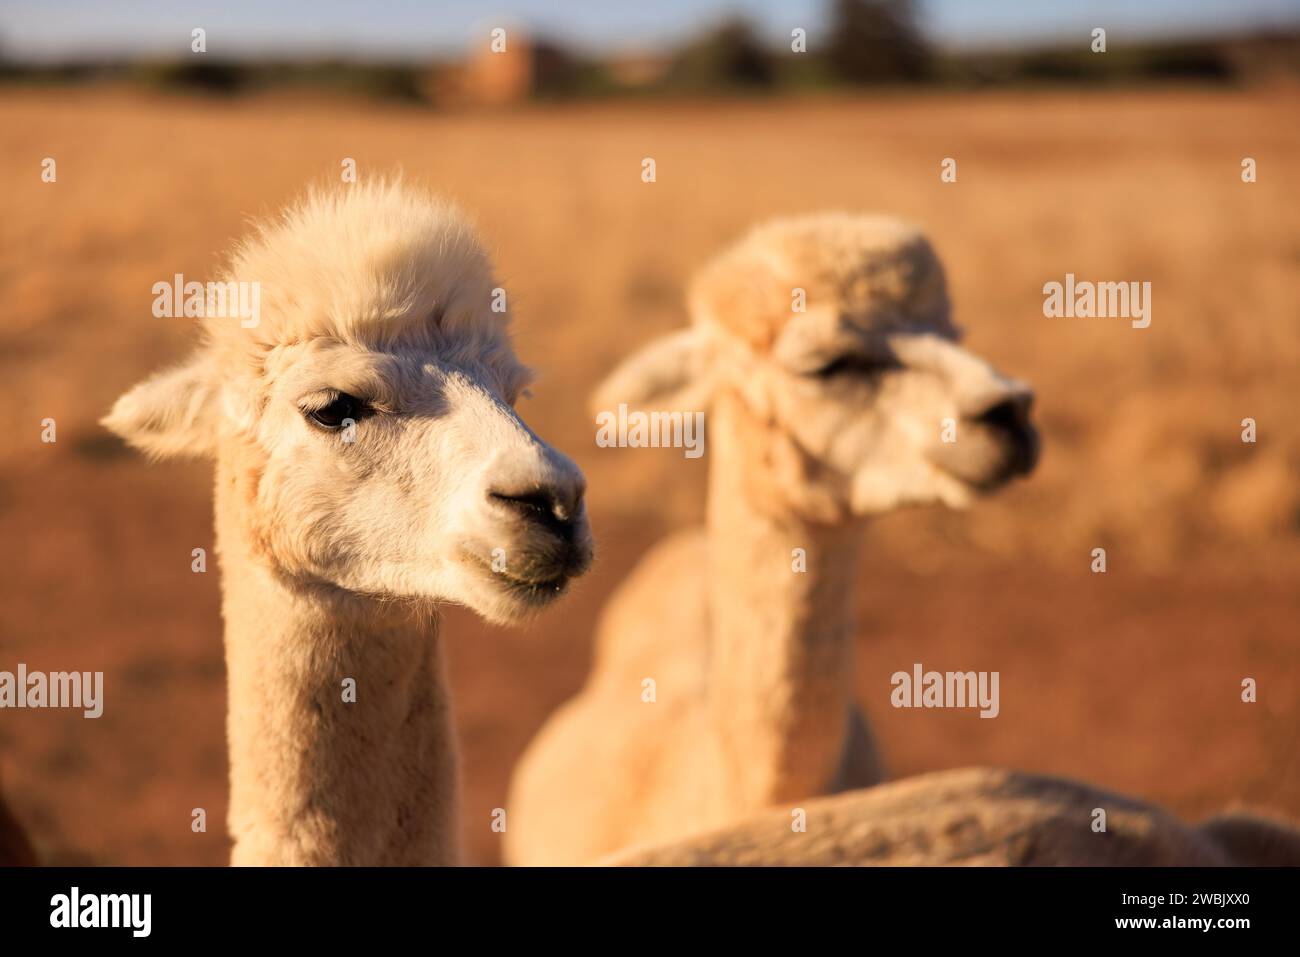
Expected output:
(1127, 681)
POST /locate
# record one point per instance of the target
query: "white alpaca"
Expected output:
(979, 816)
(817, 419)
(369, 464)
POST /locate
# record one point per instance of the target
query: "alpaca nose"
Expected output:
(555, 506)
(1009, 416)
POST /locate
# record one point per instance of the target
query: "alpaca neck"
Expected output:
(781, 649)
(316, 779)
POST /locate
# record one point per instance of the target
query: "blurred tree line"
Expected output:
(864, 43)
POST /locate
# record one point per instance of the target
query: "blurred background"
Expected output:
(1117, 166)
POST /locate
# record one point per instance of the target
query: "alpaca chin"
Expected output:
(505, 600)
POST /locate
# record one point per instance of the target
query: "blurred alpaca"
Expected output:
(980, 816)
(819, 417)
(369, 464)
(15, 849)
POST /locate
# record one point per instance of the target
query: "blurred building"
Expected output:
(638, 70)
(527, 68)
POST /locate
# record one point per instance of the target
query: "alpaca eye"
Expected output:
(343, 407)
(858, 365)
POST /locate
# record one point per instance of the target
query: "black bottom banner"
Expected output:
(132, 907)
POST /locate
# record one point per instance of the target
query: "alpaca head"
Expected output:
(824, 346)
(366, 421)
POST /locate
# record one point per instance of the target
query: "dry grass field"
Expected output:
(1129, 679)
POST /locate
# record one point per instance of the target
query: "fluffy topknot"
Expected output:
(366, 263)
(875, 271)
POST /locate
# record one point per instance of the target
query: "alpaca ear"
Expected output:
(668, 374)
(172, 413)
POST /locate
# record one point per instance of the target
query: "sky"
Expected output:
(406, 29)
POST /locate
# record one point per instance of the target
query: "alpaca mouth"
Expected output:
(984, 483)
(535, 591)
